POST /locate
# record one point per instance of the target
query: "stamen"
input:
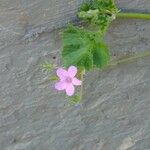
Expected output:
(68, 80)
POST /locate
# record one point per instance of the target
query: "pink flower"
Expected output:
(67, 80)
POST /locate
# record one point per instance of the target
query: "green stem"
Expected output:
(81, 90)
(133, 15)
(127, 60)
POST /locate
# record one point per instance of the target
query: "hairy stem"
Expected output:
(129, 59)
(81, 90)
(133, 15)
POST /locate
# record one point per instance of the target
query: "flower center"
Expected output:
(68, 80)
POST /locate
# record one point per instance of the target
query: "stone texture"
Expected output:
(114, 114)
(29, 18)
(134, 5)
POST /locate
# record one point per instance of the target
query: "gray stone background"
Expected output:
(115, 111)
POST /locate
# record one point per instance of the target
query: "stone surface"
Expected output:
(114, 114)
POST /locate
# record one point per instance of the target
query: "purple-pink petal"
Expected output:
(70, 89)
(76, 81)
(60, 86)
(72, 71)
(62, 73)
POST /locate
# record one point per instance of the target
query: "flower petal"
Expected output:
(70, 90)
(76, 81)
(62, 73)
(72, 71)
(60, 86)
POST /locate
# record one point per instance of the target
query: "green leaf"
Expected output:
(48, 66)
(54, 78)
(85, 6)
(84, 49)
(101, 55)
(75, 100)
(98, 12)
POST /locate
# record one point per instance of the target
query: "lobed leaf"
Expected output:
(84, 49)
(98, 12)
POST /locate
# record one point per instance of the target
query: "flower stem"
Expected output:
(129, 59)
(133, 15)
(81, 90)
